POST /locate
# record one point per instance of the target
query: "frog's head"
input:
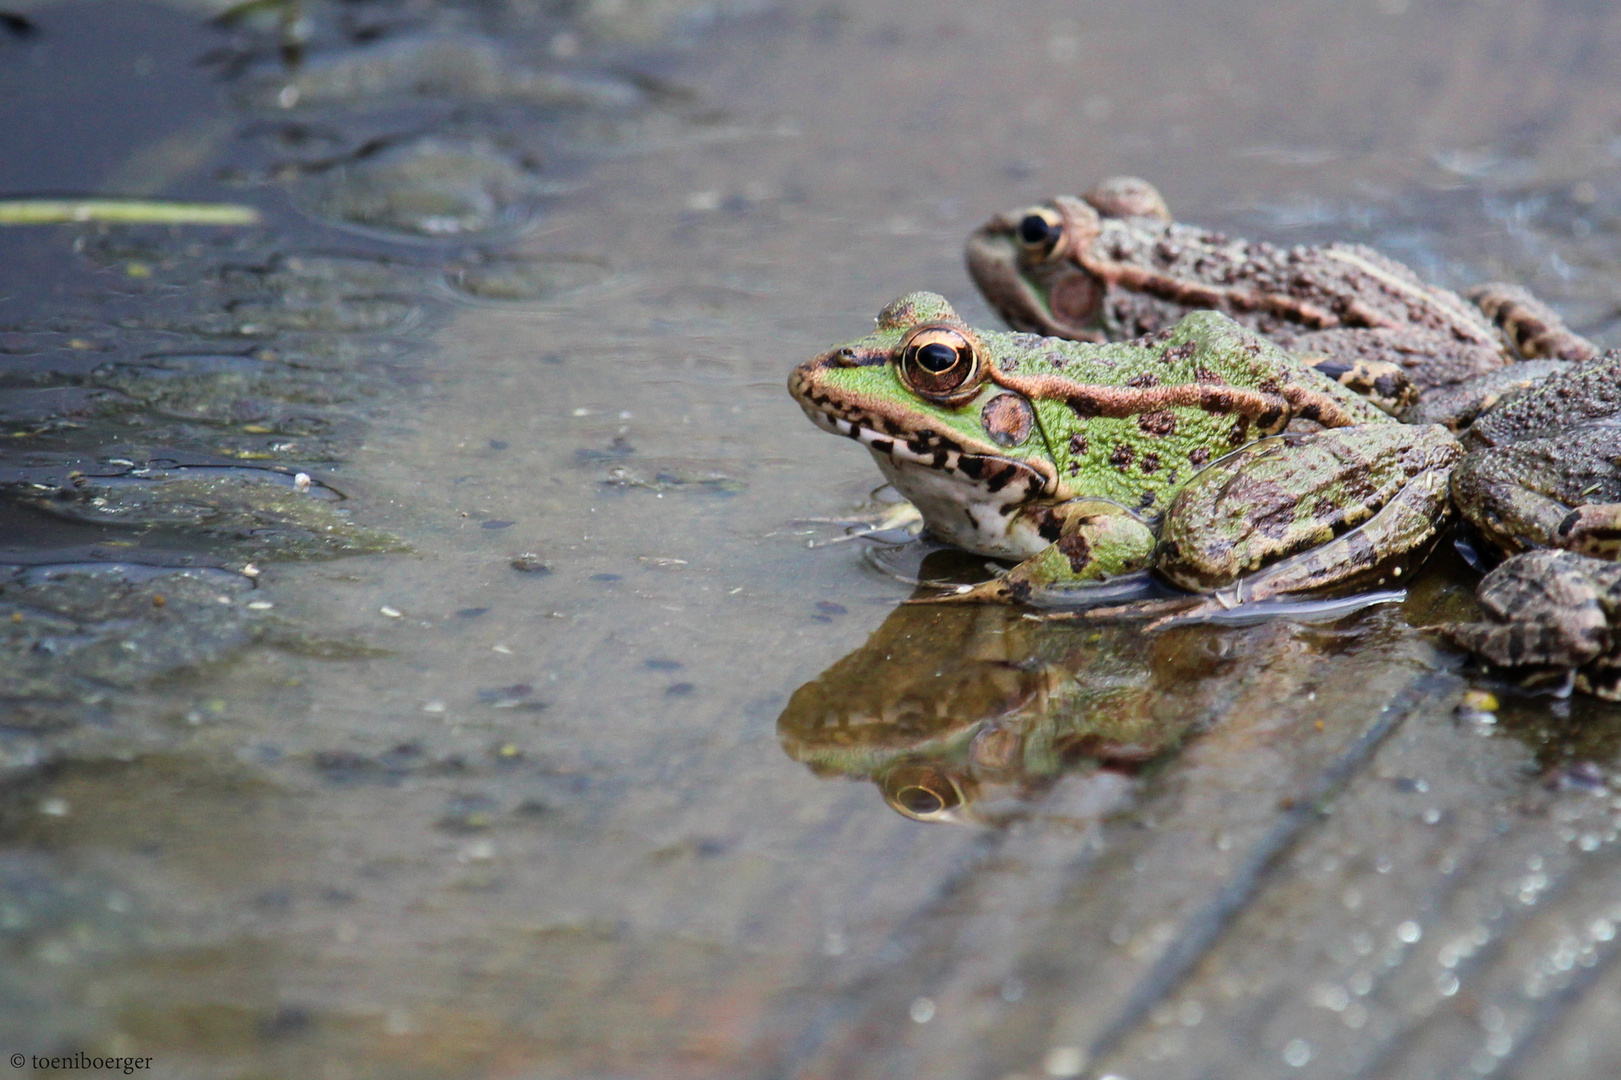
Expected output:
(1028, 265)
(922, 393)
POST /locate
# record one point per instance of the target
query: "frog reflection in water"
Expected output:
(959, 713)
(1112, 265)
(1087, 461)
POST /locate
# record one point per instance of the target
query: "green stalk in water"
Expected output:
(126, 211)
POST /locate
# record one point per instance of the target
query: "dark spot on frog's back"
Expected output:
(1123, 456)
(1077, 444)
(1199, 456)
(1177, 353)
(1150, 463)
(1160, 422)
(1146, 379)
(1008, 419)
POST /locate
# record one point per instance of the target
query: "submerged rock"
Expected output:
(263, 511)
(433, 186)
(437, 66)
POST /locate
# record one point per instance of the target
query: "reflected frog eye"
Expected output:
(939, 363)
(923, 791)
(1040, 230)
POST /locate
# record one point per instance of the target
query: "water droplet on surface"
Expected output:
(1064, 1061)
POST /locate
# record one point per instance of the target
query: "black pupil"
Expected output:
(1035, 229)
(936, 357)
(920, 801)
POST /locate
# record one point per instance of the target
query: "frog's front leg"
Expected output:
(1561, 492)
(1458, 405)
(1291, 513)
(1097, 539)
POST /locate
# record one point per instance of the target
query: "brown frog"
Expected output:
(1551, 615)
(1543, 466)
(1112, 265)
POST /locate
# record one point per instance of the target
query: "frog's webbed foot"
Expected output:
(1096, 540)
(897, 518)
(1536, 331)
(995, 591)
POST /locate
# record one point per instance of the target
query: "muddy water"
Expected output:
(631, 810)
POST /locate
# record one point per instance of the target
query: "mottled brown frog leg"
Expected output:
(1540, 582)
(1097, 540)
(1492, 494)
(1380, 381)
(1536, 331)
(1457, 406)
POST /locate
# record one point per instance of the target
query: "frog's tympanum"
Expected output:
(1553, 615)
(1174, 453)
(1544, 465)
(965, 713)
(1112, 265)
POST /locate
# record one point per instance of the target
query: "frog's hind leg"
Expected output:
(1540, 582)
(1096, 540)
(1497, 489)
(1536, 331)
(1592, 529)
(1424, 358)
(1333, 509)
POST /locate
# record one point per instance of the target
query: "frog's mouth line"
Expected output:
(991, 471)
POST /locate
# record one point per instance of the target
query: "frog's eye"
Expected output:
(1040, 230)
(939, 363)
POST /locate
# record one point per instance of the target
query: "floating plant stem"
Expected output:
(126, 211)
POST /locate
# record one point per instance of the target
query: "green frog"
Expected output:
(1112, 265)
(1183, 452)
(1543, 467)
(1551, 615)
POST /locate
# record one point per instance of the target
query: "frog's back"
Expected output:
(1132, 422)
(1158, 271)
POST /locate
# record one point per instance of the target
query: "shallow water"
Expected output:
(626, 812)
